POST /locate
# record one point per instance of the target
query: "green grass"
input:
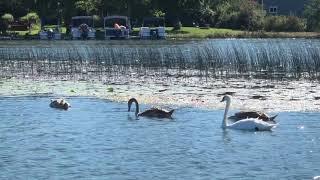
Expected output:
(197, 33)
(35, 30)
(63, 29)
(192, 32)
(23, 33)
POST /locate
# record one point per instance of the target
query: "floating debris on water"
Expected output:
(258, 97)
(277, 101)
(110, 89)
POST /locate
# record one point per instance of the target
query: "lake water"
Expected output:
(98, 139)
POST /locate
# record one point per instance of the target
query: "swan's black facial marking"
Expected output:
(225, 98)
(256, 128)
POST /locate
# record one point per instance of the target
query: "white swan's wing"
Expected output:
(245, 124)
(265, 126)
(252, 125)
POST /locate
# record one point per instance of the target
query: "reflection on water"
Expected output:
(98, 139)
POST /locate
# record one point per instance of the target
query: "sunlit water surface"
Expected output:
(98, 139)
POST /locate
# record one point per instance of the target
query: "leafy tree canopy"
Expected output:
(312, 13)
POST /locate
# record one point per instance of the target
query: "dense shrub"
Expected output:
(284, 24)
(240, 14)
(31, 17)
(177, 26)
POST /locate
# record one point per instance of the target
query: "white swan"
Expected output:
(245, 124)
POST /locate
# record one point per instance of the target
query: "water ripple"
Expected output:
(98, 139)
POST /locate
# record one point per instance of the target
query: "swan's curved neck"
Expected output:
(224, 121)
(137, 108)
(137, 105)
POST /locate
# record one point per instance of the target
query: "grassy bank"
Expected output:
(195, 33)
(191, 32)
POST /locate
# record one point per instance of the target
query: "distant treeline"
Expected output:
(234, 14)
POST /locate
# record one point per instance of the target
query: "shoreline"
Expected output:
(200, 34)
(248, 94)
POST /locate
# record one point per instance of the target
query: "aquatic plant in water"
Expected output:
(252, 58)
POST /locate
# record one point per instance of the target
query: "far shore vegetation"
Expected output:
(185, 19)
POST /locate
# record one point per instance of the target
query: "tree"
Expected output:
(68, 10)
(89, 6)
(6, 19)
(312, 14)
(206, 12)
(14, 7)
